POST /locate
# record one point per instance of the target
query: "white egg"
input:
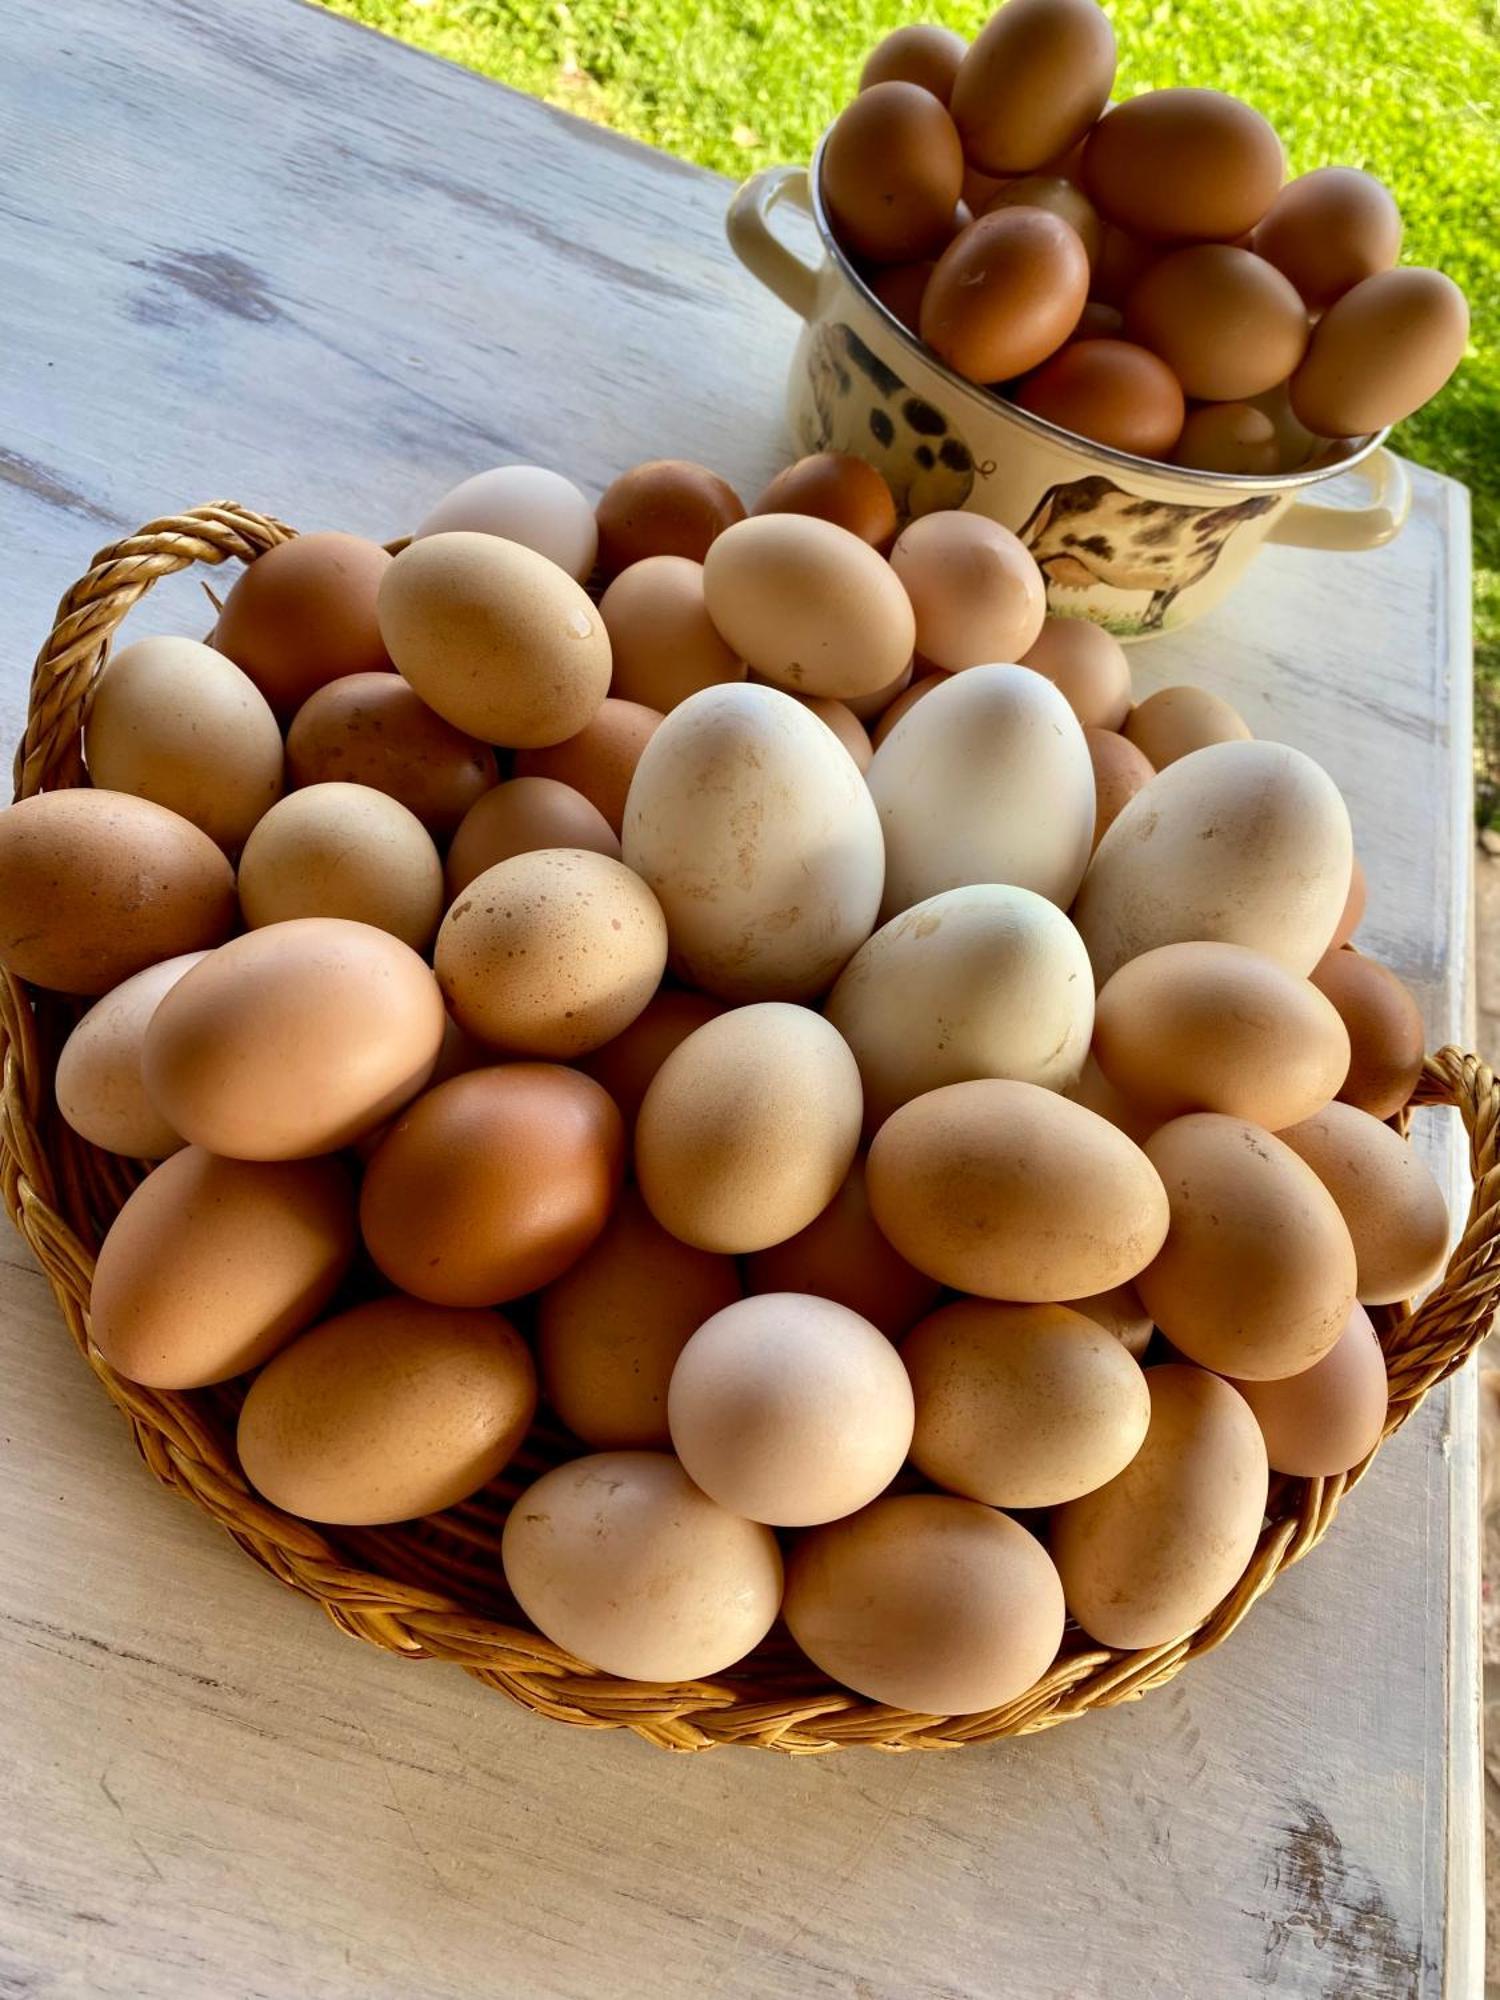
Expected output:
(527, 504)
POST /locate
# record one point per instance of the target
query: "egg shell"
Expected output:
(975, 590)
(987, 779)
(1387, 1195)
(1052, 192)
(810, 606)
(1245, 843)
(870, 707)
(519, 817)
(1099, 321)
(626, 1065)
(835, 486)
(1218, 1027)
(214, 1264)
(622, 1562)
(304, 614)
(1183, 163)
(790, 1409)
(1295, 444)
(841, 1255)
(522, 503)
(174, 721)
(610, 1329)
(600, 760)
(918, 53)
(1329, 230)
(1096, 1093)
(663, 507)
(901, 288)
(1088, 664)
(903, 704)
(340, 850)
(293, 1040)
(1021, 1405)
(1257, 1275)
(758, 837)
(980, 981)
(551, 953)
(98, 1084)
(1005, 293)
(1009, 1191)
(499, 641)
(1178, 720)
(1120, 771)
(748, 1128)
(372, 729)
(1121, 261)
(845, 725)
(663, 640)
(1113, 391)
(926, 1602)
(388, 1412)
(1387, 1042)
(492, 1184)
(1354, 908)
(1120, 1312)
(1330, 1418)
(1380, 352)
(96, 885)
(1145, 1559)
(893, 170)
(1229, 437)
(1037, 76)
(1226, 323)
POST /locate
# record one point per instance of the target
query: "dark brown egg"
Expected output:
(1098, 321)
(900, 289)
(1123, 259)
(1228, 437)
(665, 507)
(1183, 164)
(919, 53)
(892, 171)
(1036, 78)
(1120, 770)
(1386, 1038)
(372, 729)
(836, 487)
(1381, 351)
(1006, 293)
(1329, 230)
(303, 614)
(1226, 322)
(1109, 390)
(1059, 197)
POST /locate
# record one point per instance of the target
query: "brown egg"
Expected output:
(621, 1561)
(1386, 1038)
(626, 1065)
(903, 705)
(98, 1083)
(96, 885)
(868, 708)
(1295, 444)
(213, 1264)
(836, 487)
(1226, 323)
(1088, 664)
(372, 729)
(293, 1040)
(1381, 351)
(790, 1410)
(841, 1255)
(1096, 1093)
(1257, 1274)
(663, 507)
(386, 1413)
(901, 288)
(1120, 1312)
(600, 760)
(1386, 1194)
(1005, 294)
(1120, 770)
(1354, 908)
(303, 614)
(343, 851)
(501, 642)
(1182, 164)
(1229, 437)
(1146, 1558)
(551, 953)
(1034, 81)
(1122, 260)
(1175, 721)
(1008, 1191)
(919, 53)
(980, 189)
(974, 587)
(1329, 230)
(1330, 1418)
(1111, 391)
(609, 1330)
(1051, 192)
(665, 646)
(1218, 1027)
(1098, 321)
(845, 725)
(926, 1602)
(1022, 1406)
(493, 1184)
(519, 817)
(893, 169)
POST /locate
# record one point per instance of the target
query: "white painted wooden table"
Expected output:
(252, 251)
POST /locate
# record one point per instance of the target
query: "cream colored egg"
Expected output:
(1387, 1195)
(979, 981)
(340, 850)
(748, 1128)
(523, 503)
(756, 833)
(1330, 1417)
(987, 779)
(98, 1084)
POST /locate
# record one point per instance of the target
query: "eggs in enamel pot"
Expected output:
(1005, 293)
(1033, 82)
(893, 170)
(1183, 163)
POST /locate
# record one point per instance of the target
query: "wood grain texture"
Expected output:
(255, 251)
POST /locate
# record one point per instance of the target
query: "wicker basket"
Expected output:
(434, 1589)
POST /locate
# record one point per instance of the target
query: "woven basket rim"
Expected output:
(398, 1595)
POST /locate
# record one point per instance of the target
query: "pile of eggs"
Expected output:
(916, 1106)
(1137, 274)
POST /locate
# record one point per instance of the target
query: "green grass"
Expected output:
(1410, 91)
